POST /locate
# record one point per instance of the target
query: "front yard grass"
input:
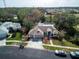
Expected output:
(57, 48)
(64, 43)
(67, 43)
(56, 42)
(17, 37)
(9, 43)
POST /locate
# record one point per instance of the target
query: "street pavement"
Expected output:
(11, 52)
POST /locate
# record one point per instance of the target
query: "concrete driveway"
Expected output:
(37, 44)
(3, 42)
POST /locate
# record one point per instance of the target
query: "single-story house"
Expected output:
(4, 30)
(14, 26)
(43, 30)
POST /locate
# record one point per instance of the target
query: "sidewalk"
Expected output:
(39, 45)
(51, 42)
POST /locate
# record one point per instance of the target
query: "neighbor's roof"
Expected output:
(4, 29)
(10, 24)
(3, 34)
(7, 24)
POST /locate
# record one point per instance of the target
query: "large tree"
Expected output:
(65, 22)
(28, 24)
(37, 14)
(61, 35)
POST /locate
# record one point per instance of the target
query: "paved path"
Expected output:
(51, 42)
(39, 45)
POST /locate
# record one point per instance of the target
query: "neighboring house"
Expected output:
(43, 30)
(4, 30)
(14, 26)
(3, 35)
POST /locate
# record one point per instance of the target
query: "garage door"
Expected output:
(36, 38)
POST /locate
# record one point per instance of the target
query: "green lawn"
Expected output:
(51, 48)
(9, 43)
(56, 42)
(18, 37)
(67, 43)
(64, 43)
(12, 43)
(57, 48)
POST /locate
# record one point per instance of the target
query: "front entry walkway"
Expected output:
(35, 44)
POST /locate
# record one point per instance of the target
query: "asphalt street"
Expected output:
(27, 53)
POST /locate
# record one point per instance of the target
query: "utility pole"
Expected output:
(4, 3)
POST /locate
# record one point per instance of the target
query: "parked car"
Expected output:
(60, 53)
(75, 54)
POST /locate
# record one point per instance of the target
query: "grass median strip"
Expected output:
(58, 48)
(9, 42)
(64, 43)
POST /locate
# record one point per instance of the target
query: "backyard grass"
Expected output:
(57, 48)
(64, 43)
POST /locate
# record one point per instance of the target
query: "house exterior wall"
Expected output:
(36, 33)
